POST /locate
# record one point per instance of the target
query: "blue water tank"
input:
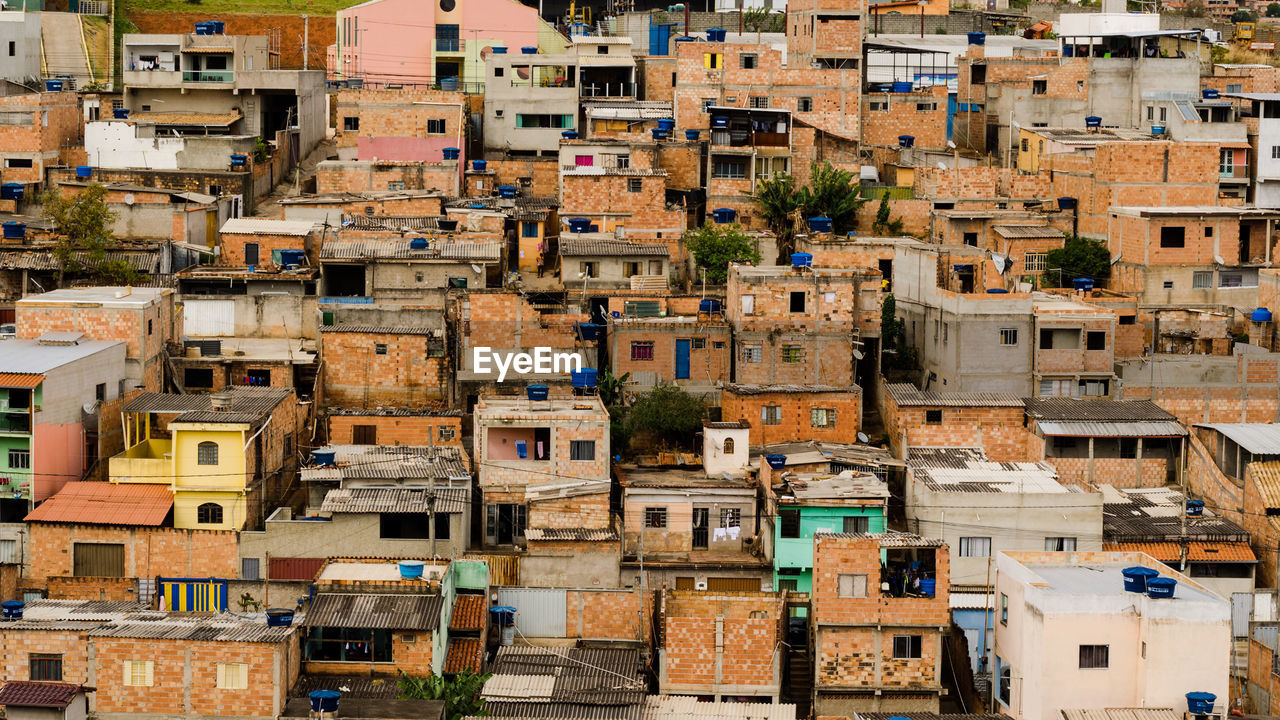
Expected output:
(1093, 121)
(1195, 508)
(900, 86)
(801, 259)
(569, 135)
(120, 113)
(1135, 578)
(522, 449)
(12, 191)
(684, 38)
(691, 134)
(449, 84)
(1161, 587)
(84, 171)
(502, 615)
(977, 38)
(708, 305)
(667, 124)
(724, 216)
(579, 225)
(538, 392)
(13, 609)
(53, 85)
(479, 165)
(418, 243)
(1260, 315)
(1157, 129)
(716, 34)
(529, 50)
(1066, 203)
(411, 569)
(588, 331)
(777, 462)
(928, 587)
(450, 153)
(658, 133)
(324, 700)
(719, 121)
(584, 378)
(14, 230)
(1209, 93)
(997, 291)
(219, 27)
(279, 617)
(906, 141)
(323, 457)
(507, 191)
(238, 160)
(204, 28)
(499, 50)
(1082, 284)
(819, 224)
(293, 257)
(1200, 703)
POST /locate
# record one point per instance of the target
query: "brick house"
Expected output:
(394, 268)
(602, 262)
(721, 643)
(363, 176)
(797, 325)
(1123, 443)
(875, 649)
(1075, 348)
(394, 426)
(36, 129)
(921, 114)
(412, 124)
(838, 493)
(143, 319)
(368, 366)
(631, 201)
(788, 413)
(993, 421)
(691, 351)
(257, 242)
(333, 209)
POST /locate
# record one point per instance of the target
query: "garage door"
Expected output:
(209, 318)
(540, 612)
(733, 584)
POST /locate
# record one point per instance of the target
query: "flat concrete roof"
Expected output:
(372, 571)
(1102, 579)
(105, 296)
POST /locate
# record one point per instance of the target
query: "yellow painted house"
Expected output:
(213, 451)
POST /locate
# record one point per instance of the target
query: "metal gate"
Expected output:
(209, 318)
(540, 612)
(193, 594)
(1241, 609)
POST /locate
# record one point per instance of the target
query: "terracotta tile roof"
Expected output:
(21, 693)
(465, 655)
(20, 380)
(1168, 552)
(468, 613)
(100, 503)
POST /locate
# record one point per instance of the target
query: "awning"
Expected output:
(20, 380)
(1094, 428)
(209, 50)
(1240, 144)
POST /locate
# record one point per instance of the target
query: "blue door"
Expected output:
(682, 359)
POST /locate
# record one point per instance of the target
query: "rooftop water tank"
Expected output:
(279, 617)
(691, 134)
(658, 133)
(411, 569)
(449, 84)
(709, 305)
(997, 291)
(538, 392)
(323, 457)
(777, 462)
(1209, 93)
(479, 165)
(719, 121)
(238, 160)
(84, 171)
(569, 135)
(579, 225)
(53, 85)
(1093, 121)
(906, 141)
(716, 34)
(820, 224)
(1195, 508)
(1260, 315)
(12, 191)
(1135, 578)
(801, 259)
(901, 86)
(723, 216)
(499, 50)
(1200, 703)
(120, 113)
(977, 38)
(1161, 587)
(13, 609)
(588, 331)
(507, 192)
(1066, 203)
(324, 701)
(418, 243)
(529, 50)
(666, 124)
(14, 230)
(584, 378)
(450, 153)
(1082, 284)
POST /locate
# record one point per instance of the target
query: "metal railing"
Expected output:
(209, 76)
(448, 45)
(895, 192)
(620, 89)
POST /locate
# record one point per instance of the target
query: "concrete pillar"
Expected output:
(1089, 464)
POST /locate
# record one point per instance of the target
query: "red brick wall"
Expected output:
(609, 614)
(582, 511)
(796, 424)
(998, 430)
(345, 177)
(20, 644)
(92, 588)
(708, 364)
(148, 552)
(356, 376)
(233, 247)
(901, 114)
(39, 140)
(689, 638)
(397, 430)
(544, 175)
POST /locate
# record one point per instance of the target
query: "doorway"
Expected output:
(701, 528)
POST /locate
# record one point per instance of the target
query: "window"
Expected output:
(1095, 657)
(642, 350)
(634, 185)
(797, 301)
(1004, 609)
(728, 446)
(975, 547)
(13, 48)
(878, 106)
(250, 569)
(18, 163)
(792, 354)
(707, 103)
(45, 666)
(1128, 448)
(1093, 388)
(1226, 167)
(932, 417)
(696, 343)
(602, 49)
(771, 414)
(804, 104)
(139, 673)
(790, 521)
(622, 161)
(1163, 112)
(630, 268)
(100, 392)
(1235, 87)
(747, 61)
(748, 303)
(655, 517)
(1095, 341)
(857, 525)
(97, 559)
(1035, 261)
(1008, 336)
(351, 123)
(584, 160)
(209, 514)
(1202, 279)
(926, 107)
(1006, 683)
(971, 239)
(978, 74)
(851, 586)
(1059, 544)
(822, 417)
(712, 61)
(448, 433)
(499, 72)
(1167, 285)
(379, 348)
(582, 450)
(906, 647)
(19, 459)
(529, 229)
(435, 126)
(233, 676)
(752, 353)
(1208, 231)
(758, 101)
(1275, 152)
(588, 269)
(730, 517)
(730, 169)
(1230, 279)
(207, 453)
(1173, 237)
(1039, 87)
(535, 120)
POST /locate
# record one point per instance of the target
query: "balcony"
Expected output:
(449, 45)
(150, 461)
(1233, 172)
(208, 76)
(15, 422)
(608, 89)
(746, 138)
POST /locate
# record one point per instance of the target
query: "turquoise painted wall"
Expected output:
(798, 552)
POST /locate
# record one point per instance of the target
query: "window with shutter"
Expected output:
(139, 673)
(852, 586)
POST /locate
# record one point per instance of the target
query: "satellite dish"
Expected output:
(129, 199)
(857, 354)
(862, 438)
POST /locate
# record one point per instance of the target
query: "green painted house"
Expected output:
(850, 502)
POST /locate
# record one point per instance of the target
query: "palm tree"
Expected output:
(777, 200)
(831, 193)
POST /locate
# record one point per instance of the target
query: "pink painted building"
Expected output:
(389, 42)
(405, 125)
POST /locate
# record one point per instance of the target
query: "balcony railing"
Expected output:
(448, 45)
(618, 89)
(1235, 172)
(208, 76)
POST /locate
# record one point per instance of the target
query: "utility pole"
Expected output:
(306, 37)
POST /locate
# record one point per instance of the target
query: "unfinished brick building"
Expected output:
(691, 351)
(367, 366)
(36, 129)
(875, 649)
(993, 421)
(794, 413)
(718, 643)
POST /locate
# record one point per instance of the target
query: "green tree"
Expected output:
(777, 201)
(831, 193)
(670, 413)
(83, 225)
(1273, 10)
(714, 247)
(1077, 258)
(612, 389)
(1243, 16)
(461, 695)
(885, 224)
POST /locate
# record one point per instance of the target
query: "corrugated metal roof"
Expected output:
(907, 395)
(1266, 475)
(395, 500)
(579, 676)
(102, 503)
(352, 687)
(889, 539)
(374, 611)
(20, 380)
(146, 261)
(221, 628)
(24, 693)
(745, 389)
(1257, 438)
(266, 226)
(559, 711)
(185, 118)
(968, 470)
(1094, 409)
(295, 568)
(571, 246)
(519, 688)
(218, 416)
(570, 534)
(1089, 428)
(676, 707)
(912, 715)
(243, 400)
(376, 329)
(392, 412)
(392, 223)
(398, 249)
(1122, 714)
(1012, 232)
(969, 600)
(393, 463)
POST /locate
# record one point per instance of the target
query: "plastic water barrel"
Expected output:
(238, 160)
(723, 216)
(279, 617)
(84, 171)
(692, 134)
(900, 86)
(709, 305)
(1161, 587)
(819, 224)
(13, 609)
(569, 135)
(411, 569)
(667, 124)
(1209, 93)
(977, 38)
(1260, 315)
(324, 700)
(449, 83)
(1135, 578)
(529, 50)
(928, 587)
(293, 257)
(584, 378)
(1157, 129)
(14, 230)
(716, 34)
(1093, 121)
(588, 331)
(1195, 508)
(499, 50)
(479, 165)
(120, 113)
(538, 392)
(1066, 203)
(719, 121)
(12, 191)
(997, 291)
(658, 133)
(323, 457)
(801, 259)
(777, 462)
(906, 141)
(579, 225)
(53, 85)
(450, 153)
(418, 243)
(507, 191)
(1200, 703)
